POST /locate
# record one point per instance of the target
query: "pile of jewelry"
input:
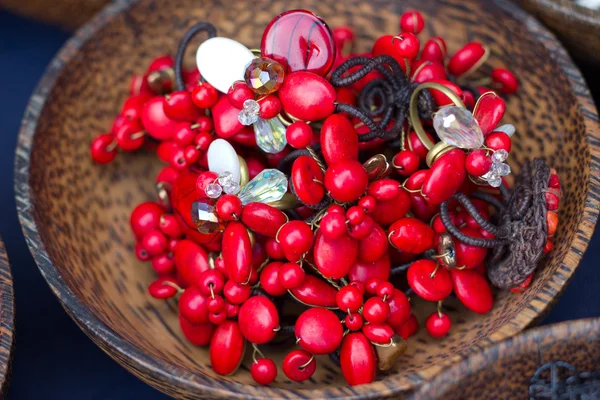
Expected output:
(309, 192)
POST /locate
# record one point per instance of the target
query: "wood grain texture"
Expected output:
(75, 214)
(68, 14)
(504, 371)
(577, 26)
(7, 321)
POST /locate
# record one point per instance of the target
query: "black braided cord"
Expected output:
(187, 38)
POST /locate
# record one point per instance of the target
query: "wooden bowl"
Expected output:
(7, 321)
(75, 214)
(577, 26)
(67, 14)
(506, 370)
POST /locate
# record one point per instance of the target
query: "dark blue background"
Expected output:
(53, 358)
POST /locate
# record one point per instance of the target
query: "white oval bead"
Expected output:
(222, 158)
(222, 61)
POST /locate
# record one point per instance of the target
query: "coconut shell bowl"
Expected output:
(75, 214)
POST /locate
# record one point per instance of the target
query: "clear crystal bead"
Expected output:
(231, 188)
(251, 106)
(268, 186)
(213, 190)
(499, 156)
(225, 178)
(205, 218)
(509, 129)
(495, 181)
(270, 135)
(501, 169)
(247, 118)
(457, 126)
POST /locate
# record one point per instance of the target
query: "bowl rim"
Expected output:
(481, 360)
(569, 8)
(7, 319)
(166, 373)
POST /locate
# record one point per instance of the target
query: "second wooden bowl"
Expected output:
(75, 214)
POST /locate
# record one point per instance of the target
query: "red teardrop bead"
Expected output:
(262, 218)
(258, 318)
(489, 112)
(357, 359)
(227, 348)
(446, 176)
(315, 292)
(473, 290)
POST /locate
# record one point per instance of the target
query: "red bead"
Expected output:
(133, 106)
(299, 134)
(191, 261)
(274, 249)
(384, 189)
(238, 93)
(319, 330)
(269, 279)
(258, 318)
(411, 235)
(355, 215)
(103, 148)
(154, 242)
(145, 218)
(299, 365)
(141, 253)
(291, 276)
(236, 293)
(216, 304)
(412, 21)
(473, 290)
(427, 284)
(400, 309)
(498, 141)
(307, 96)
(296, 237)
(193, 306)
(435, 50)
(378, 333)
(439, 97)
(262, 218)
(130, 136)
(315, 292)
(438, 326)
(349, 298)
(333, 225)
(179, 106)
(199, 335)
(203, 140)
(466, 58)
(167, 175)
(204, 124)
(469, 256)
(358, 359)
(354, 321)
(163, 264)
(229, 207)
(385, 290)
(161, 63)
(307, 179)
(227, 347)
(232, 310)
(414, 144)
(388, 211)
(364, 271)
(406, 45)
(346, 181)
(339, 140)
(523, 285)
(409, 328)
(368, 203)
(270, 107)
(489, 112)
(156, 122)
(362, 230)
(300, 41)
(205, 95)
(446, 176)
(211, 282)
(387, 45)
(183, 134)
(478, 162)
(170, 226)
(406, 162)
(163, 288)
(506, 80)
(191, 155)
(217, 318)
(177, 159)
(237, 252)
(263, 371)
(225, 117)
(376, 310)
(334, 257)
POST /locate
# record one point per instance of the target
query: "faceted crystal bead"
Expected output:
(270, 135)
(246, 118)
(225, 178)
(264, 75)
(251, 106)
(501, 169)
(268, 186)
(495, 181)
(213, 190)
(231, 187)
(205, 218)
(457, 127)
(499, 155)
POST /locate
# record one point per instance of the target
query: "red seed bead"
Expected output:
(319, 331)
(307, 96)
(552, 200)
(349, 298)
(465, 58)
(211, 282)
(346, 181)
(216, 304)
(523, 285)
(269, 279)
(130, 136)
(411, 235)
(205, 95)
(103, 148)
(236, 293)
(145, 218)
(170, 226)
(362, 230)
(358, 359)
(163, 288)
(156, 123)
(473, 290)
(193, 306)
(296, 237)
(258, 318)
(191, 155)
(435, 50)
(478, 162)
(368, 203)
(203, 140)
(549, 246)
(163, 264)
(229, 207)
(354, 321)
(429, 281)
(274, 249)
(291, 276)
(231, 310)
(299, 365)
(263, 371)
(204, 124)
(333, 225)
(438, 326)
(385, 290)
(141, 253)
(406, 162)
(238, 93)
(217, 318)
(552, 221)
(355, 215)
(384, 189)
(306, 179)
(469, 256)
(167, 175)
(133, 106)
(498, 141)
(183, 134)
(412, 21)
(399, 309)
(270, 107)
(199, 335)
(376, 310)
(406, 45)
(372, 285)
(179, 106)
(507, 81)
(154, 242)
(299, 134)
(177, 159)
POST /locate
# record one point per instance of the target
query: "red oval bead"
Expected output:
(469, 256)
(378, 333)
(478, 162)
(339, 140)
(411, 235)
(388, 211)
(466, 58)
(428, 71)
(237, 252)
(385, 45)
(262, 218)
(357, 359)
(508, 82)
(489, 112)
(498, 141)
(319, 330)
(307, 96)
(434, 50)
(473, 290)
(384, 189)
(145, 218)
(300, 41)
(162, 288)
(346, 181)
(296, 237)
(269, 279)
(434, 288)
(227, 348)
(439, 97)
(374, 246)
(179, 106)
(193, 306)
(299, 365)
(258, 318)
(315, 292)
(409, 328)
(306, 177)
(363, 271)
(156, 122)
(375, 310)
(236, 293)
(362, 230)
(418, 205)
(225, 118)
(334, 257)
(200, 335)
(446, 176)
(191, 261)
(400, 309)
